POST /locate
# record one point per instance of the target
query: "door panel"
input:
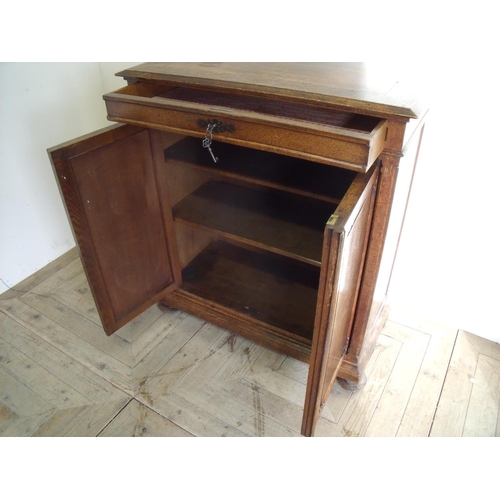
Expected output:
(110, 187)
(344, 249)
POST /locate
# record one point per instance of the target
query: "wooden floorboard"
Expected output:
(171, 374)
(137, 420)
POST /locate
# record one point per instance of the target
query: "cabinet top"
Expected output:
(360, 87)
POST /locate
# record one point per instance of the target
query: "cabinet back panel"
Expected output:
(264, 168)
(285, 224)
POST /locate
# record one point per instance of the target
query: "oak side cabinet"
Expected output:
(266, 198)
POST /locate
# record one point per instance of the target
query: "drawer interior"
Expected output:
(250, 229)
(273, 107)
(252, 103)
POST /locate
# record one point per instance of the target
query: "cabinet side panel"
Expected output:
(392, 198)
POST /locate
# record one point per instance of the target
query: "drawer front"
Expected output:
(311, 133)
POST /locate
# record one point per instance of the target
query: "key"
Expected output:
(212, 153)
(207, 141)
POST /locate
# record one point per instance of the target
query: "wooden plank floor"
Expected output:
(171, 374)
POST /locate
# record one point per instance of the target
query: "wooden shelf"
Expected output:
(271, 220)
(269, 288)
(289, 174)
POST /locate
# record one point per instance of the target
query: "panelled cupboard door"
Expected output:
(117, 202)
(344, 248)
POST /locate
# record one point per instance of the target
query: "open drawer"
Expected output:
(308, 131)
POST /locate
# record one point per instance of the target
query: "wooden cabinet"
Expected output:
(259, 207)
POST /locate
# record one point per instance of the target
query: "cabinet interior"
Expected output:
(250, 228)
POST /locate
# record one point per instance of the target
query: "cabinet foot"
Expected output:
(165, 308)
(349, 385)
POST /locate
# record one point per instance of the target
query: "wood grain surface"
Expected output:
(170, 374)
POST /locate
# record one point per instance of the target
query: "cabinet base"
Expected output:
(348, 385)
(164, 308)
(257, 331)
(354, 364)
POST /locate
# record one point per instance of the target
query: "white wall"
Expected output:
(41, 105)
(447, 263)
(108, 70)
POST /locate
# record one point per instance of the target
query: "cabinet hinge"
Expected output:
(344, 352)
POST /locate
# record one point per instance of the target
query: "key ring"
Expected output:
(207, 141)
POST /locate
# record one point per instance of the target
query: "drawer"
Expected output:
(316, 133)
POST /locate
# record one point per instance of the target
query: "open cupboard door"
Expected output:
(344, 247)
(116, 198)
